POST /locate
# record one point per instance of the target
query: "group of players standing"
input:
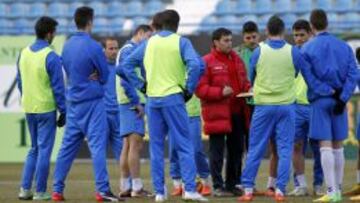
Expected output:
(299, 95)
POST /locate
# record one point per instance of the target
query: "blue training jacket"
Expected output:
(110, 99)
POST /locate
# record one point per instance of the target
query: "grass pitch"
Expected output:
(80, 185)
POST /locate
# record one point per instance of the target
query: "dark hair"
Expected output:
(45, 25)
(358, 54)
(142, 27)
(103, 42)
(318, 19)
(218, 33)
(170, 19)
(302, 25)
(83, 15)
(157, 21)
(275, 25)
(249, 26)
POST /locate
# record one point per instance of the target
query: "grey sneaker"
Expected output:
(299, 191)
(219, 192)
(42, 196)
(25, 194)
(318, 191)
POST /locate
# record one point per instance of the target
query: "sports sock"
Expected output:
(358, 176)
(271, 182)
(125, 184)
(339, 167)
(177, 182)
(328, 165)
(301, 180)
(137, 184)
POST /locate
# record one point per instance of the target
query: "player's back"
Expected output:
(81, 57)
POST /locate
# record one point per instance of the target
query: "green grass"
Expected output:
(80, 185)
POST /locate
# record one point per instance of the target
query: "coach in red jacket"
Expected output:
(226, 118)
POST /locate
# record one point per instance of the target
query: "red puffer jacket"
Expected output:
(222, 70)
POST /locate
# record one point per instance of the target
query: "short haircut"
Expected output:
(157, 21)
(106, 39)
(218, 33)
(83, 15)
(358, 54)
(249, 26)
(142, 27)
(302, 25)
(318, 19)
(170, 19)
(275, 26)
(45, 25)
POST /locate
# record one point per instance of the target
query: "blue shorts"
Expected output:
(130, 122)
(324, 124)
(302, 119)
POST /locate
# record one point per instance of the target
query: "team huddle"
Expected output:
(249, 97)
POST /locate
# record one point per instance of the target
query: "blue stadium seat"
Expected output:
(99, 8)
(261, 20)
(231, 22)
(37, 9)
(282, 6)
(332, 17)
(134, 8)
(62, 28)
(6, 27)
(18, 10)
(224, 7)
(73, 7)
(3, 10)
(343, 5)
(152, 7)
(116, 25)
(23, 26)
(324, 4)
(208, 23)
(101, 25)
(57, 9)
(140, 20)
(243, 7)
(263, 6)
(350, 20)
(289, 19)
(116, 8)
(303, 6)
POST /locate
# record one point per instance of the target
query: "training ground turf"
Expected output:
(80, 184)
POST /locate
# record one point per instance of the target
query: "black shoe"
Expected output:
(237, 191)
(107, 197)
(219, 192)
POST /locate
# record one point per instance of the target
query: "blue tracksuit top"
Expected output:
(54, 70)
(110, 99)
(188, 55)
(332, 61)
(300, 63)
(83, 56)
(130, 90)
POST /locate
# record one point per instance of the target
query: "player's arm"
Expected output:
(100, 64)
(191, 61)
(54, 70)
(252, 66)
(18, 76)
(351, 76)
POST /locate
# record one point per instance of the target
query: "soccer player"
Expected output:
(41, 84)
(332, 62)
(132, 121)
(167, 57)
(355, 191)
(301, 34)
(87, 72)
(274, 114)
(224, 114)
(193, 109)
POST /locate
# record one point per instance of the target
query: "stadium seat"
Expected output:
(261, 20)
(116, 9)
(6, 27)
(224, 7)
(116, 25)
(343, 6)
(243, 7)
(231, 22)
(140, 20)
(57, 9)
(152, 7)
(37, 9)
(101, 25)
(263, 6)
(349, 20)
(3, 10)
(18, 10)
(73, 7)
(282, 6)
(23, 26)
(324, 4)
(99, 8)
(62, 28)
(303, 6)
(288, 19)
(134, 8)
(208, 23)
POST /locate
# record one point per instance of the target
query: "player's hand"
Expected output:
(94, 76)
(337, 94)
(227, 91)
(339, 107)
(61, 120)
(140, 110)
